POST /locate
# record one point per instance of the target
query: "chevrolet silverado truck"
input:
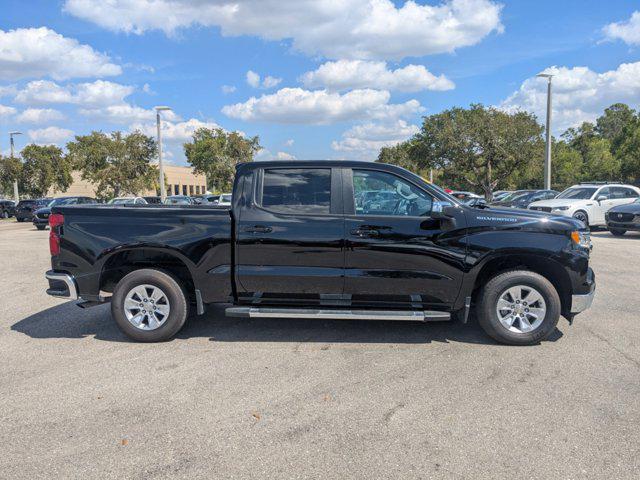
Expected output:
(300, 240)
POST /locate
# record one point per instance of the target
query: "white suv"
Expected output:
(588, 202)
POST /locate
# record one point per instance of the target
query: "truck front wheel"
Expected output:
(149, 305)
(519, 307)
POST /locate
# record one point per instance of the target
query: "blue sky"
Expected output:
(334, 79)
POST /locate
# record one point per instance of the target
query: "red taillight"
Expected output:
(55, 220)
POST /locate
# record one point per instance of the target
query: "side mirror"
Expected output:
(439, 209)
(600, 198)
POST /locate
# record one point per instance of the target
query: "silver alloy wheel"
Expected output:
(521, 309)
(146, 307)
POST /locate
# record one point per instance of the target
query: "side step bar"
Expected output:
(399, 315)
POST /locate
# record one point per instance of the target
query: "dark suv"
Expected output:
(25, 208)
(7, 208)
(41, 216)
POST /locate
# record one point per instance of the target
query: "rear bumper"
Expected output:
(579, 303)
(61, 285)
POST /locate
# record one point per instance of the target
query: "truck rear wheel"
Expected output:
(149, 305)
(519, 307)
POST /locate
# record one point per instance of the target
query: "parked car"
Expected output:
(206, 199)
(179, 200)
(293, 245)
(128, 201)
(500, 194)
(224, 200)
(588, 202)
(25, 208)
(153, 200)
(41, 215)
(7, 208)
(624, 218)
(460, 195)
(524, 198)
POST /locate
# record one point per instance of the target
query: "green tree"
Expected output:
(628, 153)
(44, 167)
(599, 163)
(613, 121)
(567, 166)
(10, 170)
(215, 153)
(480, 147)
(116, 164)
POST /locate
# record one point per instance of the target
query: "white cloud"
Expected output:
(364, 141)
(347, 74)
(98, 93)
(628, 31)
(50, 135)
(226, 89)
(6, 111)
(40, 52)
(289, 142)
(175, 131)
(284, 156)
(255, 81)
(124, 114)
(579, 93)
(363, 29)
(296, 105)
(8, 90)
(39, 115)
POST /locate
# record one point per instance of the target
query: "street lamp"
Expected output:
(547, 159)
(163, 193)
(15, 181)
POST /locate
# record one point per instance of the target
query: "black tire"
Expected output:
(488, 300)
(582, 216)
(173, 290)
(617, 232)
(41, 227)
(20, 219)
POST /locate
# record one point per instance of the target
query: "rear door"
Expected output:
(290, 237)
(396, 254)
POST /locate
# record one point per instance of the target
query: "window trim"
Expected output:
(335, 179)
(349, 193)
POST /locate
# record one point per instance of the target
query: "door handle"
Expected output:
(258, 229)
(365, 232)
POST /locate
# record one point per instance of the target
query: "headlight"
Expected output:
(561, 208)
(581, 239)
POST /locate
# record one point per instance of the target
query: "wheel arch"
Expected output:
(124, 261)
(549, 268)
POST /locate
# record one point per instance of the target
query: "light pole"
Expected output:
(163, 193)
(547, 158)
(15, 181)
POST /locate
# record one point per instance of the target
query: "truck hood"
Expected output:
(560, 202)
(509, 218)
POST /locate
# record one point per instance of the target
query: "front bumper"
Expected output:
(579, 303)
(61, 285)
(40, 221)
(623, 225)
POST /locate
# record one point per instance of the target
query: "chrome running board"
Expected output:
(397, 315)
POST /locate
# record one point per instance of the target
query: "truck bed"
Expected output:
(95, 238)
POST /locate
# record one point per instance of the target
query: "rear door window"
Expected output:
(297, 190)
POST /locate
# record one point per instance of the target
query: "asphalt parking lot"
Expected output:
(233, 398)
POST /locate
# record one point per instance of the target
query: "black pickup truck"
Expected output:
(325, 239)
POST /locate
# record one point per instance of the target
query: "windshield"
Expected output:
(61, 201)
(512, 196)
(121, 201)
(581, 193)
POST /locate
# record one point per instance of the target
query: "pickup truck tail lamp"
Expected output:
(55, 220)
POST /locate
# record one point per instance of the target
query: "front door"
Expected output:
(397, 255)
(290, 238)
